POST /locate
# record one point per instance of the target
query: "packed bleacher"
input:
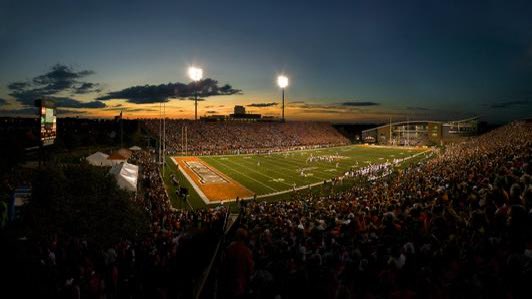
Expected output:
(458, 225)
(231, 137)
(163, 264)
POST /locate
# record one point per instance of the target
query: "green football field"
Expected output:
(271, 173)
(274, 173)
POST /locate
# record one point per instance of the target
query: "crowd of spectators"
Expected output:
(232, 137)
(458, 225)
(163, 264)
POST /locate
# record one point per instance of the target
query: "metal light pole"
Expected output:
(195, 74)
(282, 81)
(282, 92)
(196, 102)
(160, 132)
(164, 137)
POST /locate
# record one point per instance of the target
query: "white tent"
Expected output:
(126, 176)
(99, 159)
(135, 148)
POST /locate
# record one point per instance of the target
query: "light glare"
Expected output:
(282, 81)
(195, 73)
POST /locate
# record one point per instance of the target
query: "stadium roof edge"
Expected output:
(421, 121)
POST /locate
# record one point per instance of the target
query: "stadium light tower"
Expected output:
(195, 73)
(282, 81)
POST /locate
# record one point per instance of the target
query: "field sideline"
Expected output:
(272, 174)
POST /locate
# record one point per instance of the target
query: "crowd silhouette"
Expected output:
(456, 225)
(232, 137)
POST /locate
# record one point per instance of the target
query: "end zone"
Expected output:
(211, 185)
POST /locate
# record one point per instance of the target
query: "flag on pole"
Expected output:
(119, 117)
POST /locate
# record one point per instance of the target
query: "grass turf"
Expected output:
(270, 173)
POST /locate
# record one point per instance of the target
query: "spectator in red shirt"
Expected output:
(238, 265)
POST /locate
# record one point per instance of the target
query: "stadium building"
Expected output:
(421, 132)
(239, 114)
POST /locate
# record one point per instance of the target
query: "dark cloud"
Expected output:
(18, 85)
(147, 94)
(72, 103)
(127, 109)
(139, 109)
(64, 78)
(27, 97)
(359, 104)
(324, 108)
(59, 80)
(417, 108)
(510, 104)
(212, 112)
(87, 87)
(33, 111)
(2, 102)
(62, 111)
(261, 105)
(61, 73)
(30, 111)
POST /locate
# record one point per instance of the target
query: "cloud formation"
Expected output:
(412, 108)
(72, 103)
(129, 109)
(509, 104)
(33, 111)
(61, 80)
(262, 105)
(323, 108)
(30, 111)
(359, 104)
(147, 94)
(87, 87)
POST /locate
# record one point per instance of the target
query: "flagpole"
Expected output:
(160, 131)
(164, 136)
(121, 130)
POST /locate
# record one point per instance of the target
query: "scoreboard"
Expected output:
(48, 122)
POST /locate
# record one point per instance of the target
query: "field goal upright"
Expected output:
(184, 140)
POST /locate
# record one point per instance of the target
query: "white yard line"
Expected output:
(247, 176)
(276, 192)
(318, 183)
(276, 165)
(284, 151)
(260, 173)
(277, 162)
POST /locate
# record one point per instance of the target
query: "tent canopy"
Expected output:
(98, 159)
(126, 175)
(121, 154)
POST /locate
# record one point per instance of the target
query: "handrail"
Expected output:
(207, 272)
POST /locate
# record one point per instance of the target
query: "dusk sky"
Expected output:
(347, 61)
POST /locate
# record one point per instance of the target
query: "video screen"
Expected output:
(48, 125)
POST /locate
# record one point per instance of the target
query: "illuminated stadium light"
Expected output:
(195, 73)
(282, 81)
